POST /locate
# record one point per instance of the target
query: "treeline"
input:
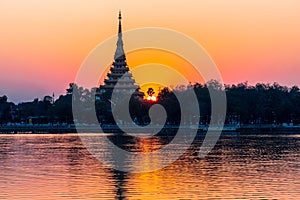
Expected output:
(246, 104)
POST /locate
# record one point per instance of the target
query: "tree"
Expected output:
(3, 99)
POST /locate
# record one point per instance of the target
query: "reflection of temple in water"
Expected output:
(120, 179)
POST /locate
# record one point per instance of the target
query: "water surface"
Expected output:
(59, 167)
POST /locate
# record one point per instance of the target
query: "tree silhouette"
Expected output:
(150, 92)
(259, 104)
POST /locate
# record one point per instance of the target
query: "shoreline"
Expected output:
(243, 129)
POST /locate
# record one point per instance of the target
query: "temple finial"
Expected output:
(120, 15)
(120, 24)
(119, 50)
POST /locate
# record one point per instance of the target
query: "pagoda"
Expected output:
(119, 71)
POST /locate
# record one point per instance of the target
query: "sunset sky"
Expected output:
(43, 43)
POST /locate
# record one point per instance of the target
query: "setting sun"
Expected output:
(151, 98)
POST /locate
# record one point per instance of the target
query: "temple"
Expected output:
(119, 71)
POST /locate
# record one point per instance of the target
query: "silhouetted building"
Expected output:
(119, 71)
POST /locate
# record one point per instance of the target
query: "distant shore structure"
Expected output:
(119, 71)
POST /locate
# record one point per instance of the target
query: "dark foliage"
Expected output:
(259, 104)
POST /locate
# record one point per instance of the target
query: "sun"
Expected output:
(152, 98)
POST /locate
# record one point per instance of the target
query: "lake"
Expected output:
(239, 167)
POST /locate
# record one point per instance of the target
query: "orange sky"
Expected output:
(43, 43)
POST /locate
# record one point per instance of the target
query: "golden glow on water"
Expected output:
(59, 167)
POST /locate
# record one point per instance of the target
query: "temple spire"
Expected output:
(119, 51)
(120, 22)
(119, 71)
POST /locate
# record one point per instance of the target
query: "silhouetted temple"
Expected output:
(119, 69)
